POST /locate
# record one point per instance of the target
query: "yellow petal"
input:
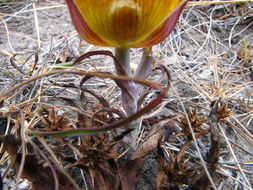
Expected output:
(164, 29)
(81, 26)
(127, 23)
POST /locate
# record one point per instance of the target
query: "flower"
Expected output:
(125, 23)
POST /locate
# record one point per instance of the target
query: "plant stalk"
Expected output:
(130, 90)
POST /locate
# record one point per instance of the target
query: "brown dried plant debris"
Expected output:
(175, 172)
(100, 161)
(54, 121)
(43, 174)
(101, 157)
(195, 123)
(220, 110)
(149, 143)
(178, 169)
(246, 53)
(242, 10)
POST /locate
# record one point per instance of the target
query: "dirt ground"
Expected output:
(209, 55)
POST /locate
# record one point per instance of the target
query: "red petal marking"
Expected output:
(164, 30)
(81, 26)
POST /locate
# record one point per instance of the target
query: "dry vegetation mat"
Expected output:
(199, 137)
